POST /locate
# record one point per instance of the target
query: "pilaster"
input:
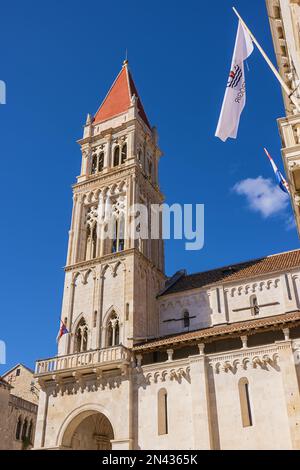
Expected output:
(200, 401)
(291, 389)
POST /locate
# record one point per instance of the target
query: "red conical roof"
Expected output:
(118, 99)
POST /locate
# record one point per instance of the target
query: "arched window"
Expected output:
(88, 241)
(121, 233)
(118, 234)
(186, 319)
(24, 429)
(162, 412)
(101, 161)
(245, 402)
(81, 336)
(124, 153)
(94, 164)
(254, 305)
(18, 428)
(30, 430)
(117, 156)
(94, 242)
(113, 330)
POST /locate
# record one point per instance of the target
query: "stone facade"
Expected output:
(18, 408)
(203, 361)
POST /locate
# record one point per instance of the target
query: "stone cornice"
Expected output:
(111, 258)
(112, 175)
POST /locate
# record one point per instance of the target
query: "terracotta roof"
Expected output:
(236, 272)
(118, 99)
(209, 334)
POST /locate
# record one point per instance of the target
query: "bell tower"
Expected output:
(112, 278)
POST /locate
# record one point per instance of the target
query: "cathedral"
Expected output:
(209, 360)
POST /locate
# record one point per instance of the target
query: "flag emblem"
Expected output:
(235, 77)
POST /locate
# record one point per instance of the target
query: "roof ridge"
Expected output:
(17, 365)
(241, 262)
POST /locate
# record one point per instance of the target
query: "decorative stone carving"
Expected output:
(231, 365)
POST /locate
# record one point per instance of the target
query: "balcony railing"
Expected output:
(97, 358)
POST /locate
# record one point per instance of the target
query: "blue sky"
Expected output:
(58, 59)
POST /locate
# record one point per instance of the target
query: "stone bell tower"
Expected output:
(112, 278)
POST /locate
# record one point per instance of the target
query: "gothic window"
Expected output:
(118, 234)
(162, 412)
(88, 240)
(94, 242)
(113, 330)
(97, 163)
(94, 164)
(124, 153)
(186, 319)
(30, 429)
(245, 402)
(18, 428)
(254, 305)
(24, 429)
(81, 336)
(91, 233)
(117, 156)
(100, 161)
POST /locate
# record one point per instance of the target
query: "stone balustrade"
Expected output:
(99, 357)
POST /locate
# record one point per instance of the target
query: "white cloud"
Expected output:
(262, 196)
(290, 223)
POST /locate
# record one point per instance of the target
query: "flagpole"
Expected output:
(270, 64)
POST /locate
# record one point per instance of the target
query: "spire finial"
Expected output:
(125, 61)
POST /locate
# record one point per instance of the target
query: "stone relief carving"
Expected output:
(264, 361)
(175, 374)
(254, 287)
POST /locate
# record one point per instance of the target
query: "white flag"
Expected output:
(235, 94)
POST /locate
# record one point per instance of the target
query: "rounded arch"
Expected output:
(119, 264)
(87, 274)
(77, 277)
(104, 270)
(75, 418)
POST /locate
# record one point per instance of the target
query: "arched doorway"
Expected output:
(90, 430)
